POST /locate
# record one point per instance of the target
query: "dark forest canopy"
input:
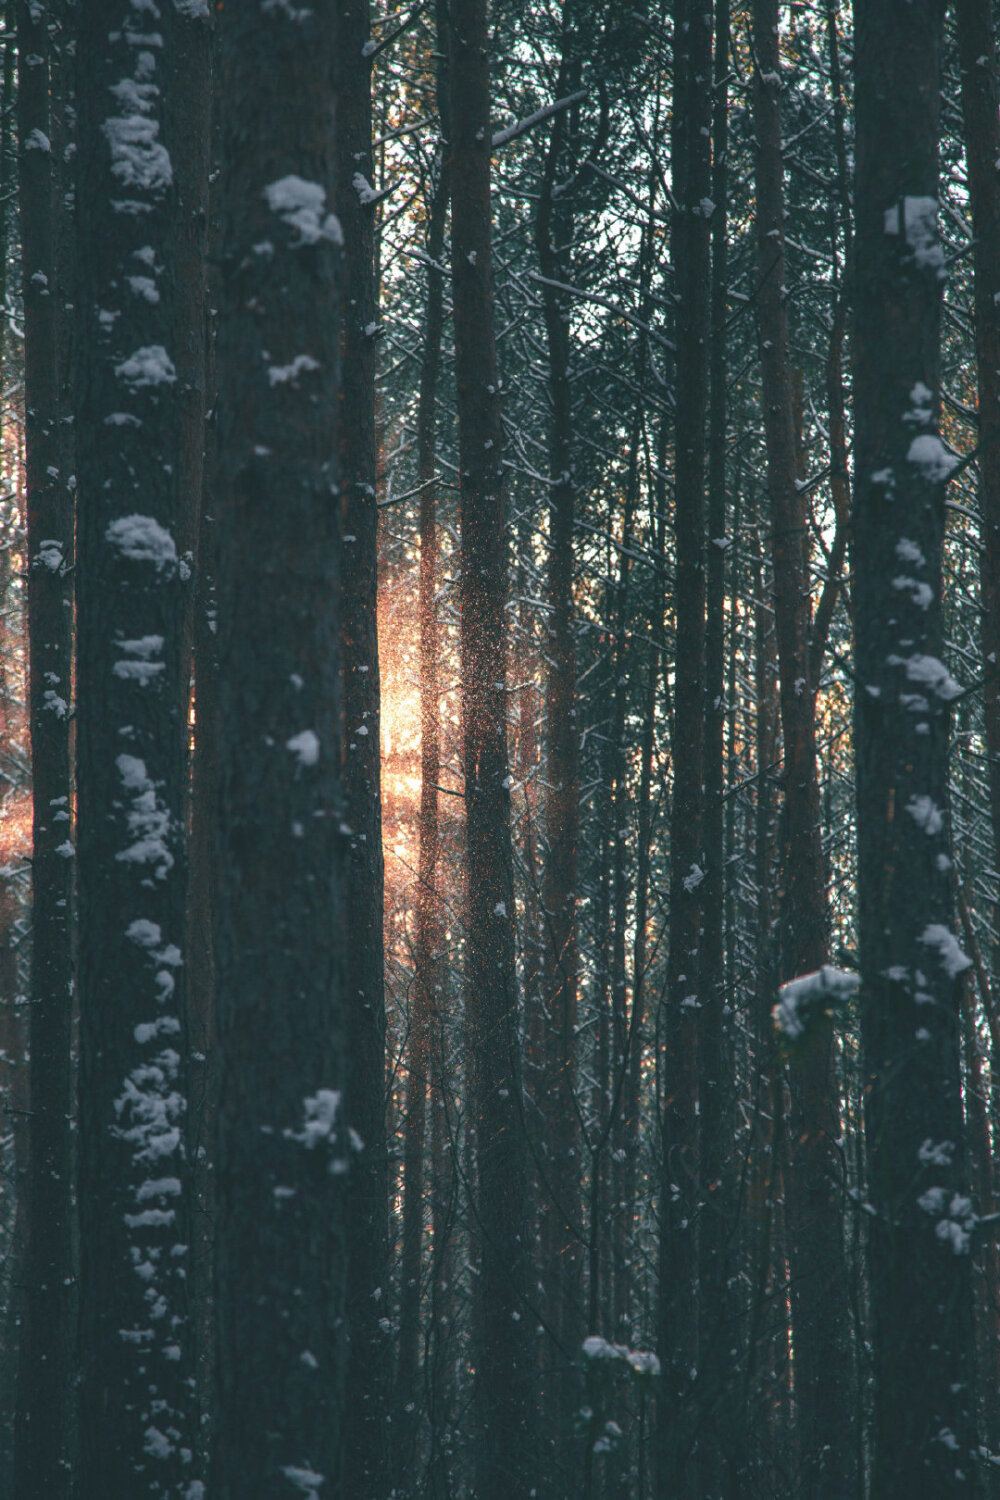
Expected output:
(499, 750)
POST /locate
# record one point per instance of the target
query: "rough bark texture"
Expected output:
(556, 1100)
(42, 1433)
(505, 1373)
(283, 1144)
(981, 111)
(715, 1119)
(910, 959)
(367, 1386)
(690, 247)
(137, 1411)
(428, 967)
(820, 1306)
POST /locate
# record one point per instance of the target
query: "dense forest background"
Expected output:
(499, 749)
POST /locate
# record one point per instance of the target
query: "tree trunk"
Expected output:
(368, 1358)
(717, 1170)
(138, 1428)
(820, 1303)
(679, 1189)
(504, 1380)
(981, 113)
(911, 962)
(43, 1424)
(283, 1142)
(556, 1100)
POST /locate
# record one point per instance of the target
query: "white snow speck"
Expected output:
(320, 1112)
(143, 287)
(305, 1480)
(302, 205)
(49, 555)
(142, 539)
(38, 141)
(908, 551)
(949, 951)
(366, 193)
(138, 157)
(693, 879)
(920, 228)
(800, 994)
(305, 745)
(500, 910)
(289, 374)
(921, 593)
(930, 673)
(928, 454)
(148, 366)
(641, 1361)
(936, 1153)
(156, 1444)
(926, 814)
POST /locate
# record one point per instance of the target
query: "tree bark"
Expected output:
(911, 962)
(677, 1293)
(43, 1419)
(283, 1143)
(820, 1302)
(368, 1358)
(981, 113)
(138, 1427)
(505, 1374)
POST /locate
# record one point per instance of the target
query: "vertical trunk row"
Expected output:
(367, 1385)
(137, 1420)
(505, 1385)
(561, 1243)
(823, 1369)
(977, 44)
(284, 1143)
(981, 111)
(691, 165)
(716, 1171)
(43, 1401)
(911, 959)
(428, 971)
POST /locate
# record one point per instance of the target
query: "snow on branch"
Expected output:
(521, 127)
(803, 994)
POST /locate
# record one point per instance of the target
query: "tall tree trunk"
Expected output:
(504, 1381)
(981, 112)
(911, 962)
(138, 1429)
(428, 975)
(820, 1301)
(368, 1358)
(42, 1430)
(562, 1244)
(716, 1168)
(283, 1143)
(678, 1217)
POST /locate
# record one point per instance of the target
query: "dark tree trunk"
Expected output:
(717, 1173)
(283, 1139)
(138, 1429)
(42, 1430)
(505, 1373)
(911, 962)
(556, 1099)
(820, 1303)
(981, 112)
(368, 1357)
(428, 966)
(678, 1218)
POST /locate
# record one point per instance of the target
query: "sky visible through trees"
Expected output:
(499, 750)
